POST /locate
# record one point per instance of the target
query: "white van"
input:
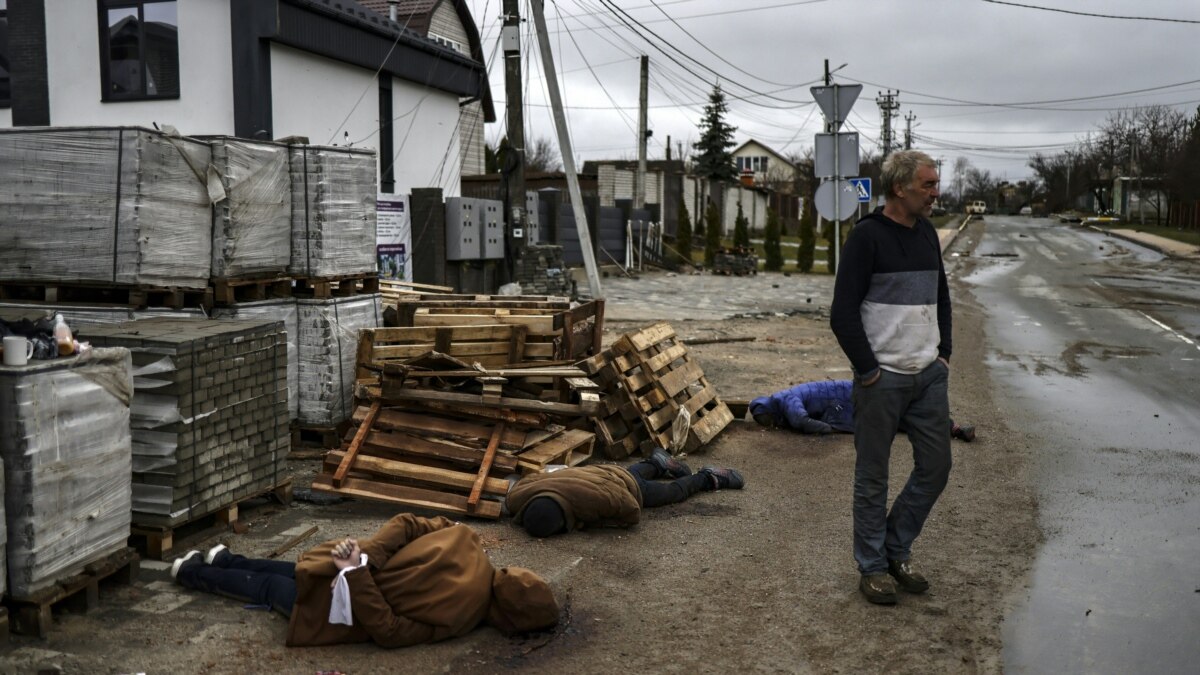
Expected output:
(977, 208)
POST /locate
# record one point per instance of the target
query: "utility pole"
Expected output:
(888, 106)
(511, 37)
(564, 148)
(908, 119)
(639, 185)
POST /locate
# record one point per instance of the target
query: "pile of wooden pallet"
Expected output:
(439, 433)
(647, 378)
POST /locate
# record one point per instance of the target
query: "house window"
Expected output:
(139, 49)
(5, 81)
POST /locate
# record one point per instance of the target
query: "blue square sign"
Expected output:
(862, 186)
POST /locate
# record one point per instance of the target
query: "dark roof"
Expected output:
(416, 15)
(593, 166)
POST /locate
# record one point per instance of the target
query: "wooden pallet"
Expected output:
(488, 345)
(572, 448)
(134, 297)
(336, 287)
(233, 291)
(33, 615)
(158, 541)
(309, 437)
(653, 372)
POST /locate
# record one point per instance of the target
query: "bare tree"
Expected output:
(542, 155)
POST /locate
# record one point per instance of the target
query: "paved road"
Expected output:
(1093, 342)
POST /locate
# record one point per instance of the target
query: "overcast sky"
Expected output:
(992, 82)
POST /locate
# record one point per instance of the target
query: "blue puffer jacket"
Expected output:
(811, 407)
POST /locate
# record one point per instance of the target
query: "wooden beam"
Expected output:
(485, 467)
(407, 496)
(389, 470)
(355, 444)
(554, 408)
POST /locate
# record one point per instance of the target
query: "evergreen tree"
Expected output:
(808, 239)
(771, 243)
(741, 229)
(683, 236)
(712, 234)
(714, 160)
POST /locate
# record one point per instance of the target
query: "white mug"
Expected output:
(17, 350)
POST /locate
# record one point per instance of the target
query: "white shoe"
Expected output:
(179, 563)
(214, 552)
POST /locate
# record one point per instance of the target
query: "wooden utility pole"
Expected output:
(515, 216)
(564, 148)
(639, 185)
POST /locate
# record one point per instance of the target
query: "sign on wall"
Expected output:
(393, 237)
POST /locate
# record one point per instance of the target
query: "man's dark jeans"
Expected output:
(921, 402)
(660, 493)
(262, 582)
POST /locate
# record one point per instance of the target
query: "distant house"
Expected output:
(450, 24)
(329, 70)
(769, 168)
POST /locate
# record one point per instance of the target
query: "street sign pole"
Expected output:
(835, 102)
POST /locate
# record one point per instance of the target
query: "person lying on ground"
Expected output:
(416, 580)
(821, 408)
(603, 495)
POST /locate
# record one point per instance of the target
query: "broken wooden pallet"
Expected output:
(33, 615)
(654, 371)
(488, 345)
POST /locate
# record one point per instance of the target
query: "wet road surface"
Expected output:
(1093, 342)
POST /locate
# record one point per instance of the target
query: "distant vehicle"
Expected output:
(1027, 210)
(977, 208)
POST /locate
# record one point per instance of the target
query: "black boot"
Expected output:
(668, 465)
(723, 478)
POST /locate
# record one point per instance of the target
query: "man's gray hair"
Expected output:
(900, 168)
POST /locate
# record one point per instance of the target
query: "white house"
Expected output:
(768, 167)
(329, 70)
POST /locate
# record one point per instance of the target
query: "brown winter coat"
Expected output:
(426, 579)
(590, 496)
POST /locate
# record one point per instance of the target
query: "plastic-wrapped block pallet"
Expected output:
(283, 310)
(252, 226)
(104, 206)
(333, 211)
(67, 452)
(82, 317)
(328, 347)
(209, 414)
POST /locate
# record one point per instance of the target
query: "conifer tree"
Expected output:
(683, 236)
(771, 243)
(741, 230)
(712, 234)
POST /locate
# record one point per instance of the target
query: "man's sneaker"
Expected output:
(217, 555)
(909, 580)
(879, 589)
(668, 465)
(723, 478)
(190, 558)
(966, 433)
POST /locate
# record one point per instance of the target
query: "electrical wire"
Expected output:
(1091, 14)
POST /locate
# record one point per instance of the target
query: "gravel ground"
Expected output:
(760, 579)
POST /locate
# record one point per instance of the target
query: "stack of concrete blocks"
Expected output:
(283, 309)
(109, 205)
(209, 417)
(252, 221)
(328, 346)
(333, 211)
(81, 317)
(540, 271)
(66, 445)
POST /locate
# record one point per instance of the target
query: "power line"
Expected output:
(1091, 14)
(1021, 104)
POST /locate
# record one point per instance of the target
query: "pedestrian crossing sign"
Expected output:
(862, 186)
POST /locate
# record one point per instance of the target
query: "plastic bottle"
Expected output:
(62, 335)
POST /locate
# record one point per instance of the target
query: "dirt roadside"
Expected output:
(762, 579)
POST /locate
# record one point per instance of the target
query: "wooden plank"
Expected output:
(400, 444)
(707, 428)
(677, 380)
(291, 543)
(366, 345)
(550, 407)
(518, 350)
(356, 444)
(427, 334)
(581, 383)
(570, 374)
(664, 416)
(558, 448)
(407, 496)
(537, 325)
(419, 423)
(665, 358)
(464, 412)
(485, 467)
(456, 349)
(387, 469)
(409, 284)
(646, 338)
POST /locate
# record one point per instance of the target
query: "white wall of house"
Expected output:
(205, 103)
(754, 204)
(5, 117)
(425, 139)
(312, 96)
(614, 184)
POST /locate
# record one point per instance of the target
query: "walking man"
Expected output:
(891, 316)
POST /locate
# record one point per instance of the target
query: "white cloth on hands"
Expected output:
(339, 611)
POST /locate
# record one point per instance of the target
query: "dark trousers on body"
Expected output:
(921, 403)
(261, 582)
(660, 493)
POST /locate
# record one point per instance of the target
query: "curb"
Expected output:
(1139, 242)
